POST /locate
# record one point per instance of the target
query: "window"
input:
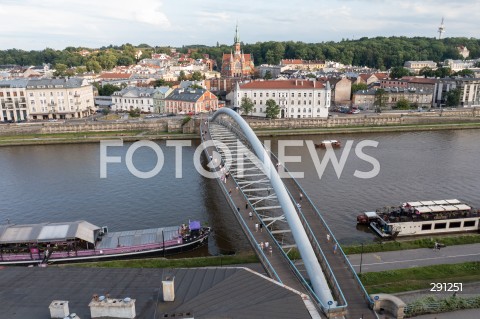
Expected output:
(293, 110)
(440, 226)
(266, 94)
(254, 94)
(261, 102)
(273, 94)
(261, 94)
(305, 94)
(299, 94)
(298, 109)
(318, 110)
(426, 226)
(310, 94)
(261, 110)
(318, 94)
(304, 110)
(455, 224)
(469, 223)
(254, 110)
(293, 94)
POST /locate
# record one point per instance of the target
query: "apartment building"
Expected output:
(41, 99)
(469, 91)
(13, 103)
(296, 98)
(416, 66)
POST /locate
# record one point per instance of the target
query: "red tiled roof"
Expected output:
(282, 84)
(422, 81)
(115, 76)
(381, 76)
(292, 61)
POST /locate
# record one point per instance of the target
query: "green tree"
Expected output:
(268, 75)
(246, 106)
(196, 76)
(162, 82)
(272, 110)
(93, 66)
(358, 87)
(80, 70)
(60, 69)
(426, 72)
(452, 97)
(402, 104)
(398, 72)
(134, 112)
(380, 101)
(465, 72)
(477, 64)
(443, 72)
(182, 76)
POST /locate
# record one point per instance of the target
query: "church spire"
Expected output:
(237, 37)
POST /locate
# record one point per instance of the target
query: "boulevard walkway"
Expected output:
(390, 260)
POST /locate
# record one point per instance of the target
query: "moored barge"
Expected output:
(81, 241)
(422, 218)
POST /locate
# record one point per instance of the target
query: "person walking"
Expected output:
(230, 191)
(246, 205)
(301, 196)
(328, 237)
(266, 245)
(256, 227)
(261, 227)
(335, 248)
(261, 245)
(250, 215)
(270, 250)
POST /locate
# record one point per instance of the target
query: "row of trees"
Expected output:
(272, 108)
(380, 52)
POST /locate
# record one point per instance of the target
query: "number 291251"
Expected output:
(446, 286)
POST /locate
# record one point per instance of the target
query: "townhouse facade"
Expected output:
(131, 98)
(159, 98)
(296, 98)
(42, 99)
(191, 101)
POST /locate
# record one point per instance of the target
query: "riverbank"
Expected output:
(135, 135)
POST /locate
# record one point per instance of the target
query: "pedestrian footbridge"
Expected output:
(290, 237)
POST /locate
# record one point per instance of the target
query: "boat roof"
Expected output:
(371, 214)
(463, 207)
(47, 232)
(432, 202)
(423, 209)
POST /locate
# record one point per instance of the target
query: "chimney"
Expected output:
(59, 309)
(168, 288)
(103, 306)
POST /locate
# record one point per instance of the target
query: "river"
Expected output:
(58, 183)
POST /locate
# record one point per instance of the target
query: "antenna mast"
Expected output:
(441, 29)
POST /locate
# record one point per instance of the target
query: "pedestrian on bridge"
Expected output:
(270, 250)
(246, 205)
(335, 248)
(301, 196)
(261, 245)
(261, 227)
(266, 245)
(250, 214)
(256, 227)
(328, 237)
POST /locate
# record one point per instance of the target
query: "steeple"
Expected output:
(237, 37)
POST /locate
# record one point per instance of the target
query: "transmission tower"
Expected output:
(441, 29)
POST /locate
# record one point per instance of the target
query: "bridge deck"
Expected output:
(276, 259)
(357, 306)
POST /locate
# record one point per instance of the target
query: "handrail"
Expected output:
(241, 219)
(298, 274)
(366, 295)
(332, 275)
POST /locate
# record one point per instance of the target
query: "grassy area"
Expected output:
(394, 281)
(175, 263)
(432, 304)
(411, 244)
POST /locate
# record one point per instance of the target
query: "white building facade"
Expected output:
(42, 99)
(296, 98)
(131, 98)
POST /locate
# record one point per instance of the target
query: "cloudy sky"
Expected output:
(37, 24)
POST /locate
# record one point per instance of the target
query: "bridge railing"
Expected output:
(269, 268)
(366, 296)
(290, 263)
(334, 286)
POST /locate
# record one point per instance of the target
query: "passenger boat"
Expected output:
(422, 218)
(81, 241)
(325, 143)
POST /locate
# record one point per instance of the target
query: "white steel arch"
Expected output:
(317, 278)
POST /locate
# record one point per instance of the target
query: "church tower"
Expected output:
(237, 64)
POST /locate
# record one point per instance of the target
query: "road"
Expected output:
(390, 260)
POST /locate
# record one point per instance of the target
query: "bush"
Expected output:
(185, 120)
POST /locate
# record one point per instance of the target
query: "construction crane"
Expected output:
(441, 29)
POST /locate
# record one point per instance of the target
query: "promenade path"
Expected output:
(391, 260)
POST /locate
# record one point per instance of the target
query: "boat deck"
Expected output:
(139, 237)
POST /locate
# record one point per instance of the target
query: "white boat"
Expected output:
(326, 143)
(422, 218)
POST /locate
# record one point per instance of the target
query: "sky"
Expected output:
(38, 24)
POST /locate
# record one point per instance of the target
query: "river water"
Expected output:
(58, 183)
